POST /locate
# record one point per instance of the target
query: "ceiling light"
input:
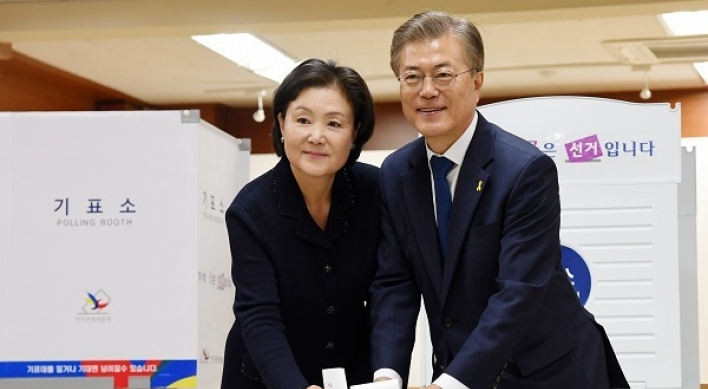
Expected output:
(259, 115)
(702, 68)
(251, 53)
(645, 93)
(686, 23)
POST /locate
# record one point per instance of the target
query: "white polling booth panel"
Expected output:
(5, 217)
(116, 273)
(619, 167)
(223, 170)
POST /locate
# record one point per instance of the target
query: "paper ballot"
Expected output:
(334, 378)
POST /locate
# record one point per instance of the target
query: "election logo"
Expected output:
(95, 303)
(578, 273)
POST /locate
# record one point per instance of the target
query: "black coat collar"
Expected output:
(291, 203)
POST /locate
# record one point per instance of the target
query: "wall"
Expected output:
(29, 85)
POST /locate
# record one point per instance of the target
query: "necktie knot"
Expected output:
(440, 166)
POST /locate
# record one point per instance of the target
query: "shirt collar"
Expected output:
(456, 152)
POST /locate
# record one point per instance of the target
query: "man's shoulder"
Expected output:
(508, 139)
(399, 159)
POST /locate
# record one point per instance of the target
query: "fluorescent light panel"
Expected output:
(686, 23)
(251, 53)
(702, 69)
(689, 23)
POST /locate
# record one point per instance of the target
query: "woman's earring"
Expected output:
(282, 139)
(353, 146)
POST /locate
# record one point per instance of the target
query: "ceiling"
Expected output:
(143, 47)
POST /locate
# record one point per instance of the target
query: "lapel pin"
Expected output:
(479, 186)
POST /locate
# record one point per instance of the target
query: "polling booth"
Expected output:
(114, 256)
(620, 173)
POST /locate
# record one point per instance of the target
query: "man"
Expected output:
(501, 309)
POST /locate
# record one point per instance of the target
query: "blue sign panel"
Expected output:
(578, 272)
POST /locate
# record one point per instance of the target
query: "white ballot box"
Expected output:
(114, 256)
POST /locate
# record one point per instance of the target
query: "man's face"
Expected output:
(441, 116)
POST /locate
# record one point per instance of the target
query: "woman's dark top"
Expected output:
(301, 293)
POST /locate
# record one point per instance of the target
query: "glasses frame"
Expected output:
(419, 86)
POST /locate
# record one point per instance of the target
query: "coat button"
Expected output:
(447, 322)
(331, 309)
(330, 345)
(327, 269)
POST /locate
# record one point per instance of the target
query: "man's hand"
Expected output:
(314, 387)
(432, 386)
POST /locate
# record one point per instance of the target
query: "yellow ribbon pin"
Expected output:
(479, 186)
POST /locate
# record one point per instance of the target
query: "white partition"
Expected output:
(223, 169)
(5, 217)
(696, 276)
(115, 256)
(619, 167)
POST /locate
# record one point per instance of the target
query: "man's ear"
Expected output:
(478, 80)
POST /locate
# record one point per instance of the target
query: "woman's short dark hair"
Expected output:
(317, 73)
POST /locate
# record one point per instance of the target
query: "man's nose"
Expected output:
(428, 88)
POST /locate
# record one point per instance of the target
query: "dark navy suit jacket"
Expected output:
(501, 310)
(301, 293)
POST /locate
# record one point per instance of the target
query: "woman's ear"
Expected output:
(280, 121)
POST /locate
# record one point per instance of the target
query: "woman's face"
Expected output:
(318, 131)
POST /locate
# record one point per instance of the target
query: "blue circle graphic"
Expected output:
(578, 272)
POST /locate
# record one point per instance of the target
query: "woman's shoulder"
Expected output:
(366, 179)
(254, 191)
(365, 171)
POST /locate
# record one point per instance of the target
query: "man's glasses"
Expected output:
(413, 81)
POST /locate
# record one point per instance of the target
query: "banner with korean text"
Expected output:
(598, 140)
(105, 256)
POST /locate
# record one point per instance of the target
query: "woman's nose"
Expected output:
(316, 134)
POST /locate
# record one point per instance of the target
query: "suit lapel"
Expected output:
(471, 184)
(417, 193)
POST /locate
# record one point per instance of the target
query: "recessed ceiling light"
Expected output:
(251, 53)
(702, 69)
(686, 23)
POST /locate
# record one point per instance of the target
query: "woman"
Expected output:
(304, 238)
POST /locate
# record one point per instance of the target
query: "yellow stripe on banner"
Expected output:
(184, 383)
